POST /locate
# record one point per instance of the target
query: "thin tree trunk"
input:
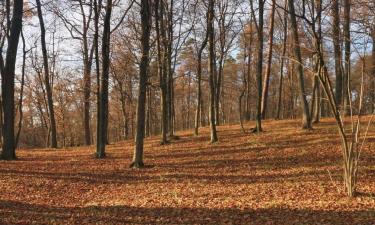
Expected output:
(280, 91)
(97, 10)
(20, 103)
(346, 36)
(372, 89)
(337, 50)
(306, 120)
(269, 62)
(47, 78)
(199, 88)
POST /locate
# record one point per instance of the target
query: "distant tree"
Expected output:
(306, 120)
(47, 78)
(266, 83)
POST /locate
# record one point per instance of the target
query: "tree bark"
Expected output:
(373, 70)
(143, 76)
(269, 62)
(306, 120)
(162, 47)
(347, 52)
(280, 90)
(337, 50)
(20, 102)
(212, 68)
(7, 82)
(199, 88)
(47, 78)
(259, 70)
(103, 95)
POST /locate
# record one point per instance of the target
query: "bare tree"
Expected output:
(212, 67)
(337, 50)
(47, 77)
(103, 94)
(266, 83)
(143, 76)
(306, 120)
(259, 67)
(7, 70)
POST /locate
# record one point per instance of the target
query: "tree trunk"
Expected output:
(47, 77)
(198, 111)
(7, 82)
(20, 103)
(212, 69)
(143, 76)
(372, 89)
(103, 94)
(259, 73)
(346, 36)
(306, 120)
(337, 50)
(280, 91)
(162, 65)
(269, 62)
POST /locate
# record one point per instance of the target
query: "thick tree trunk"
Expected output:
(103, 95)
(143, 76)
(269, 62)
(162, 46)
(47, 78)
(87, 93)
(7, 82)
(212, 69)
(306, 120)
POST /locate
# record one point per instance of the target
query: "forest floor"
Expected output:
(283, 176)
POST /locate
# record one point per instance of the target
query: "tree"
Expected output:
(266, 83)
(259, 67)
(347, 53)
(212, 67)
(47, 78)
(337, 50)
(143, 76)
(103, 94)
(282, 60)
(306, 120)
(7, 82)
(162, 49)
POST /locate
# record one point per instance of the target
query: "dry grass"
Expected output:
(282, 176)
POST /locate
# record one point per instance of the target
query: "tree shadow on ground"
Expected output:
(12, 212)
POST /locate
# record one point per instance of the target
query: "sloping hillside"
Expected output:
(282, 176)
